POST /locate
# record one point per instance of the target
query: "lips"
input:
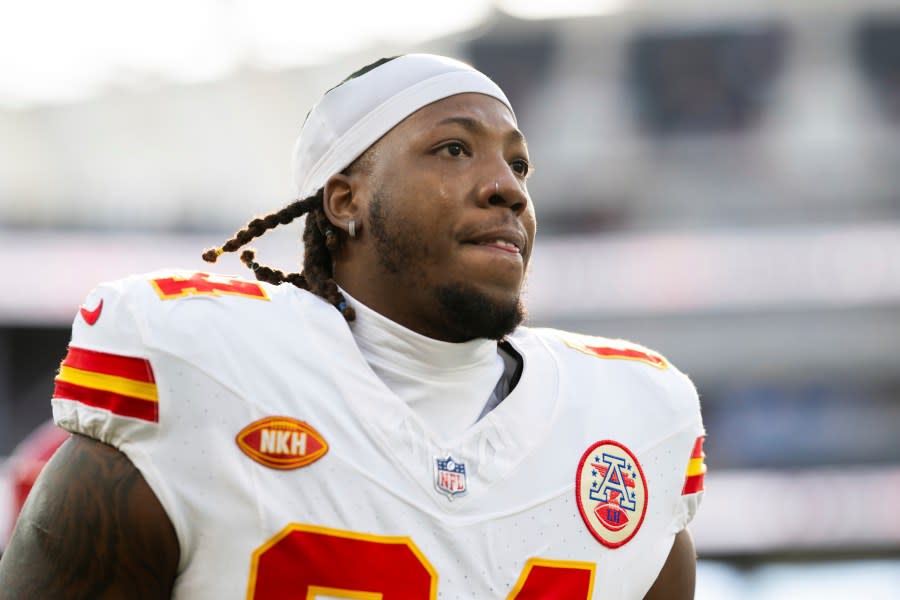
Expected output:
(507, 240)
(504, 245)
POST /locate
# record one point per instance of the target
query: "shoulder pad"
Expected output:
(609, 348)
(183, 284)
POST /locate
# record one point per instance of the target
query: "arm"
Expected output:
(92, 528)
(676, 579)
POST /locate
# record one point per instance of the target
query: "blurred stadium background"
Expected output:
(717, 180)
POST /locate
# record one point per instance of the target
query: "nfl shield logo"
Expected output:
(449, 476)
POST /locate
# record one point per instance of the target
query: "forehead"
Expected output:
(492, 115)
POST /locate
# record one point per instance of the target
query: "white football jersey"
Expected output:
(290, 471)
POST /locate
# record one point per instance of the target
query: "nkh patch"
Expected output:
(282, 443)
(611, 492)
(450, 476)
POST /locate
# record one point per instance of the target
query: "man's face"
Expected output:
(448, 225)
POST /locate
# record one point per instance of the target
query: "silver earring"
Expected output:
(351, 228)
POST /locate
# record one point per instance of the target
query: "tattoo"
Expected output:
(91, 528)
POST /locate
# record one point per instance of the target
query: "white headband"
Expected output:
(354, 115)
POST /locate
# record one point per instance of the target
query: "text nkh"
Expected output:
(279, 441)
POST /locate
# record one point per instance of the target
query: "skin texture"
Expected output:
(428, 201)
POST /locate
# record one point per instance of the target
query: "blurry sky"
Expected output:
(57, 51)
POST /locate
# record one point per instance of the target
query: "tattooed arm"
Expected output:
(92, 528)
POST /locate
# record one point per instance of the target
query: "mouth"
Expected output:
(501, 245)
(508, 241)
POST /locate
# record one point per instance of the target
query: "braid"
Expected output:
(270, 275)
(317, 263)
(319, 240)
(260, 225)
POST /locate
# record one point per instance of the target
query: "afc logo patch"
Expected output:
(611, 492)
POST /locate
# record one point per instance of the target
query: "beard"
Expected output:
(473, 315)
(464, 313)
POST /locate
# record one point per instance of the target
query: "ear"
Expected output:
(341, 200)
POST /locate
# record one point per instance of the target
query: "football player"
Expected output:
(379, 425)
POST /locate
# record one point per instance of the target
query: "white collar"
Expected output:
(446, 385)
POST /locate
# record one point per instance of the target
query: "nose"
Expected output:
(504, 190)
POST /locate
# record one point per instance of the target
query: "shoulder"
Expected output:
(144, 309)
(594, 362)
(563, 343)
(131, 334)
(170, 287)
(198, 317)
(182, 284)
(583, 351)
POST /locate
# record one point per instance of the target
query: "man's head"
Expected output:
(423, 157)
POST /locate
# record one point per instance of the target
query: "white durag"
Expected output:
(354, 115)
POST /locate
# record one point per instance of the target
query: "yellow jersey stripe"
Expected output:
(695, 467)
(108, 383)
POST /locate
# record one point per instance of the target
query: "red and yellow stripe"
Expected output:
(696, 470)
(123, 385)
(615, 349)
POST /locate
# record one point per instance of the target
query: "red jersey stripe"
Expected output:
(697, 452)
(119, 404)
(692, 485)
(696, 470)
(129, 367)
(628, 353)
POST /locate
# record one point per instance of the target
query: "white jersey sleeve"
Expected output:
(663, 407)
(639, 423)
(694, 464)
(137, 377)
(106, 387)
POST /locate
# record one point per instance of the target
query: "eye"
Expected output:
(454, 148)
(521, 166)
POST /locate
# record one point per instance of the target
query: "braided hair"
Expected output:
(320, 239)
